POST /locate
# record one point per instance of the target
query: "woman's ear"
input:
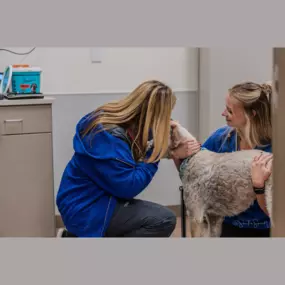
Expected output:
(254, 113)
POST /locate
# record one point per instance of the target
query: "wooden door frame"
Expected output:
(278, 119)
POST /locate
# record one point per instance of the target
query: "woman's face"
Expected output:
(234, 113)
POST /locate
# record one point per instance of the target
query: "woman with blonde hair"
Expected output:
(248, 117)
(113, 162)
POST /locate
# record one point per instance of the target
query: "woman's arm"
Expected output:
(260, 171)
(118, 176)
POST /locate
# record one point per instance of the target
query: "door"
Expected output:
(26, 186)
(278, 111)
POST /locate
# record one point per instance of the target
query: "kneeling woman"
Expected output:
(112, 164)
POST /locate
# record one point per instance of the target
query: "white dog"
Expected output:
(216, 185)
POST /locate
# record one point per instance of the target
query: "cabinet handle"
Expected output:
(14, 121)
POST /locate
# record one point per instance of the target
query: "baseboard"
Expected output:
(175, 208)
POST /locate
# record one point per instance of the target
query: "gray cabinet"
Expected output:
(27, 207)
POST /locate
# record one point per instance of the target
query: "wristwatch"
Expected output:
(259, 191)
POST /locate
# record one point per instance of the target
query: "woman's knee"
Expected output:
(164, 220)
(169, 217)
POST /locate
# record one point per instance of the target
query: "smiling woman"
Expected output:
(248, 117)
(248, 111)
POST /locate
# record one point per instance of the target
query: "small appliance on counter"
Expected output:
(21, 82)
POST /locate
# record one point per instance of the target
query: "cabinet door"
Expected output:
(27, 207)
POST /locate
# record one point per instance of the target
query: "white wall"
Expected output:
(80, 86)
(221, 68)
(69, 70)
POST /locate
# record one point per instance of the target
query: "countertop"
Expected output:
(20, 102)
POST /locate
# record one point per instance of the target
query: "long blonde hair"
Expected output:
(256, 101)
(147, 107)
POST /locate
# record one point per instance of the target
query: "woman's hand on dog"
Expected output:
(261, 169)
(185, 149)
(173, 124)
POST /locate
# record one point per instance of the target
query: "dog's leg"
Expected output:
(196, 227)
(214, 225)
(196, 216)
(210, 226)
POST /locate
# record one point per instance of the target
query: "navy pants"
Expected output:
(139, 218)
(233, 231)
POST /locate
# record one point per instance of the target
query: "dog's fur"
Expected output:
(216, 185)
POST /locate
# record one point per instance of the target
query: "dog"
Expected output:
(216, 185)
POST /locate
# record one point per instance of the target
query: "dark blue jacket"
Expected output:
(101, 171)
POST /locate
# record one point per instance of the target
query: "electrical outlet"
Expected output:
(96, 55)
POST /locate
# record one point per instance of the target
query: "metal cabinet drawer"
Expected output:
(25, 119)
